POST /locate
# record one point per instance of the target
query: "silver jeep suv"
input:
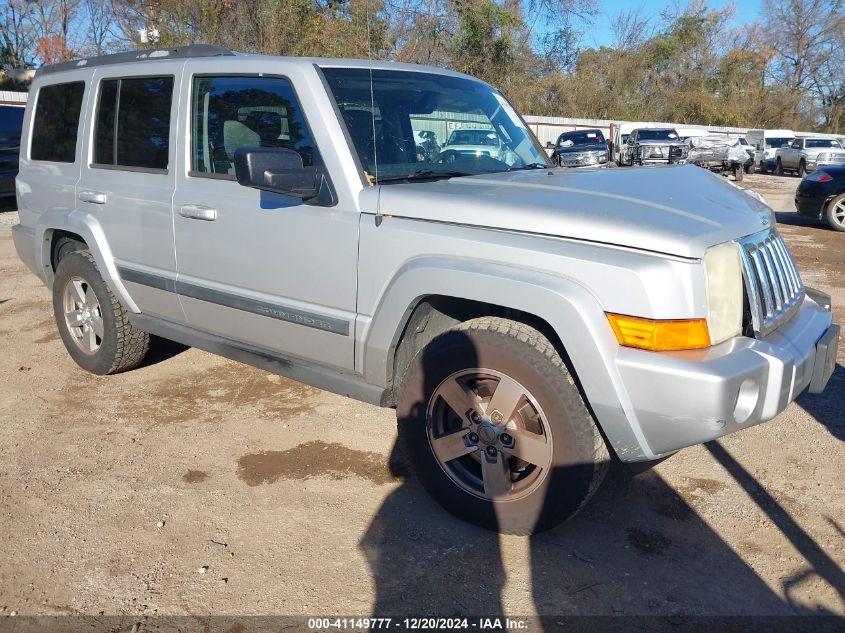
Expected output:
(525, 322)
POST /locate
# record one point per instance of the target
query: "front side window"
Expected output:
(133, 122)
(56, 122)
(822, 142)
(229, 113)
(406, 124)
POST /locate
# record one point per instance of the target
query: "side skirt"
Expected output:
(315, 375)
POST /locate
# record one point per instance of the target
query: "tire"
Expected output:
(835, 213)
(750, 169)
(528, 498)
(105, 342)
(762, 168)
(779, 168)
(802, 169)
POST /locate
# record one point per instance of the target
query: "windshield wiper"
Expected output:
(425, 174)
(531, 166)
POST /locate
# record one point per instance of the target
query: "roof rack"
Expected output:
(177, 52)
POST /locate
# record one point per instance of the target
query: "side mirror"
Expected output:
(276, 169)
(550, 145)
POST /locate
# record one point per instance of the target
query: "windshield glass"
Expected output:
(657, 135)
(822, 142)
(424, 124)
(587, 137)
(11, 120)
(774, 143)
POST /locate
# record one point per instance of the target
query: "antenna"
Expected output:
(373, 114)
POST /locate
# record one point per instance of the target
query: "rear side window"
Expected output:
(133, 123)
(234, 112)
(56, 122)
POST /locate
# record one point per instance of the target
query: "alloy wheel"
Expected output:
(489, 434)
(83, 316)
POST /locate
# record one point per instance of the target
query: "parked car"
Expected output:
(580, 148)
(523, 321)
(474, 143)
(654, 146)
(11, 120)
(806, 154)
(821, 195)
(718, 153)
(765, 144)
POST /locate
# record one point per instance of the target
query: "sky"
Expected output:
(746, 11)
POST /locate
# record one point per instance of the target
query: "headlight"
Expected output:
(723, 274)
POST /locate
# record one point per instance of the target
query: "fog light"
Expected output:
(746, 400)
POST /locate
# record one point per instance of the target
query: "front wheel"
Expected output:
(835, 212)
(496, 429)
(779, 168)
(91, 321)
(802, 169)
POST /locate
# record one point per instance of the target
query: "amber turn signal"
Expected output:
(659, 336)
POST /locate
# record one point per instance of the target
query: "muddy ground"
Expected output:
(196, 486)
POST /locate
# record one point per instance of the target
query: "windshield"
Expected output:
(11, 120)
(822, 142)
(587, 137)
(423, 124)
(657, 135)
(774, 143)
(473, 137)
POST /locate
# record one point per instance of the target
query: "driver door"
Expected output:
(255, 267)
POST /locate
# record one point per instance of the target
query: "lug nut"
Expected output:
(473, 438)
(491, 451)
(506, 439)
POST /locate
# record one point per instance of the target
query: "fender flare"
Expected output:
(88, 227)
(568, 307)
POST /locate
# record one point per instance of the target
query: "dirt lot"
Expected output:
(197, 486)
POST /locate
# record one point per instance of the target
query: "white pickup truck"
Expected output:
(807, 154)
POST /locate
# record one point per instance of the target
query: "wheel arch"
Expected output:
(58, 224)
(428, 296)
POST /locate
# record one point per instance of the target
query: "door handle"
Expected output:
(94, 197)
(198, 212)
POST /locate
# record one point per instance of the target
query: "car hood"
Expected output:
(679, 213)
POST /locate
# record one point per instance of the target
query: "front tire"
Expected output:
(496, 429)
(802, 169)
(779, 168)
(92, 323)
(835, 213)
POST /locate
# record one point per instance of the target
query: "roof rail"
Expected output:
(177, 52)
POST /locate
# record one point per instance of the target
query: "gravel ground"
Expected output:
(196, 486)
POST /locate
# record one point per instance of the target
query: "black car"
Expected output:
(11, 120)
(580, 148)
(821, 195)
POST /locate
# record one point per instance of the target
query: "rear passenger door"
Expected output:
(257, 267)
(128, 179)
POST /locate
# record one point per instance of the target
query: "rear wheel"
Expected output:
(835, 212)
(496, 429)
(92, 323)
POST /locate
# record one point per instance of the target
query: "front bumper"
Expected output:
(684, 398)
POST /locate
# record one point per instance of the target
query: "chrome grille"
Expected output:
(772, 280)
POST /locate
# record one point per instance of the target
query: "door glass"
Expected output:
(234, 112)
(141, 135)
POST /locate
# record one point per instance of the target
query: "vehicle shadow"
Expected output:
(792, 218)
(639, 548)
(162, 349)
(8, 204)
(826, 407)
